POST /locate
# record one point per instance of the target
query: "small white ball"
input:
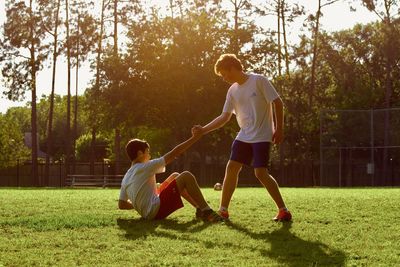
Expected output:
(218, 187)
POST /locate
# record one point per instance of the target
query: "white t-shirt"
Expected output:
(139, 185)
(251, 102)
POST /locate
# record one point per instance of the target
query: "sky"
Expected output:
(335, 17)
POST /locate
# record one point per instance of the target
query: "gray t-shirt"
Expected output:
(139, 185)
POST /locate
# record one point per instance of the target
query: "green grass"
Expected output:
(331, 227)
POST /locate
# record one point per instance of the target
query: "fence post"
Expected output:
(372, 148)
(321, 158)
(340, 167)
(18, 173)
(104, 177)
(60, 172)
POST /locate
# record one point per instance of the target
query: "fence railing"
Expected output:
(106, 180)
(105, 174)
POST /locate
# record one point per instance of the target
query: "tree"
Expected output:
(11, 143)
(23, 52)
(53, 80)
(239, 36)
(84, 147)
(130, 8)
(315, 19)
(82, 42)
(93, 95)
(59, 123)
(286, 17)
(68, 128)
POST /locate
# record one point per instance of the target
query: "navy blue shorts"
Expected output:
(251, 154)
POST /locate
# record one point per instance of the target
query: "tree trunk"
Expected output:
(36, 181)
(51, 109)
(315, 54)
(285, 45)
(75, 131)
(116, 85)
(115, 27)
(99, 49)
(171, 6)
(235, 35)
(278, 10)
(68, 130)
(97, 85)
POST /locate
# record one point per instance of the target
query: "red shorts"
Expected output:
(170, 199)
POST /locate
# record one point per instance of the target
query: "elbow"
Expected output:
(224, 118)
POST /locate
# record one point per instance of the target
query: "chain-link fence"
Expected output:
(360, 147)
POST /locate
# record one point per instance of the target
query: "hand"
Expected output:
(197, 130)
(277, 138)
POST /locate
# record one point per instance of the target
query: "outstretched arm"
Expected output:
(218, 122)
(179, 149)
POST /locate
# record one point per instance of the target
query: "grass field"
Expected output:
(331, 227)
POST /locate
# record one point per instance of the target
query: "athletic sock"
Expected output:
(223, 208)
(284, 209)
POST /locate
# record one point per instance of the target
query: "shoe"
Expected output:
(211, 216)
(224, 214)
(283, 216)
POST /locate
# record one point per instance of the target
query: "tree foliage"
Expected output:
(161, 82)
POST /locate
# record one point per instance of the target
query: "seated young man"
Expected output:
(139, 190)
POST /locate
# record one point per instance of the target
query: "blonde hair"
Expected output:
(226, 62)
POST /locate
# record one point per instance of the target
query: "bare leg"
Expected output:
(271, 185)
(171, 177)
(187, 182)
(189, 199)
(183, 193)
(230, 182)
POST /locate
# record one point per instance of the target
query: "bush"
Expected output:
(83, 147)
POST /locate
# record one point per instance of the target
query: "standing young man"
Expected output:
(250, 98)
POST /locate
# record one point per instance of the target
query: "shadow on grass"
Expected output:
(290, 250)
(141, 228)
(285, 247)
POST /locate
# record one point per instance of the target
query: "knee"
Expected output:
(187, 175)
(185, 178)
(261, 173)
(233, 167)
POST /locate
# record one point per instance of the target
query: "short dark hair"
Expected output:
(134, 146)
(226, 62)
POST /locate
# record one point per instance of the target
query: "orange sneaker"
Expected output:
(224, 214)
(283, 216)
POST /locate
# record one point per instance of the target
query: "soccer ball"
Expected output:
(218, 187)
